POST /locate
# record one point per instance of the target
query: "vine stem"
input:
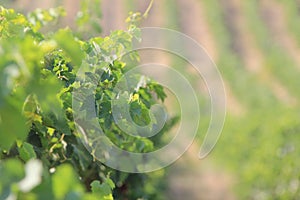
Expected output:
(148, 9)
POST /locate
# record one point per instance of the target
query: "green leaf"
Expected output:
(12, 126)
(110, 183)
(104, 190)
(26, 152)
(67, 42)
(11, 172)
(65, 181)
(40, 17)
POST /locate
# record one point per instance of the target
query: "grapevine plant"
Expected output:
(41, 152)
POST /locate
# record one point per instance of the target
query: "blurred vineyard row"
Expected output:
(256, 46)
(258, 54)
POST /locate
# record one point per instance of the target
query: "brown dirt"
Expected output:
(156, 18)
(275, 19)
(202, 34)
(200, 31)
(244, 46)
(113, 15)
(194, 179)
(191, 178)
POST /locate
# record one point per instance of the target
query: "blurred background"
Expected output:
(256, 46)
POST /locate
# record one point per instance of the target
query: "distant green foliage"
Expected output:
(37, 130)
(260, 147)
(88, 18)
(262, 151)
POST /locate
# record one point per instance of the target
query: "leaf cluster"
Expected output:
(38, 74)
